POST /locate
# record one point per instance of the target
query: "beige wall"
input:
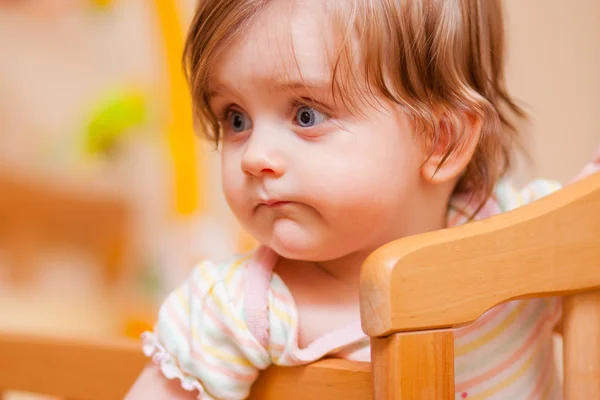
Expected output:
(554, 67)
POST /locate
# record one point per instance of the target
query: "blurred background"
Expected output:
(106, 196)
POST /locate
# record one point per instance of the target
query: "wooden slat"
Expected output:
(69, 368)
(449, 278)
(325, 379)
(414, 366)
(581, 346)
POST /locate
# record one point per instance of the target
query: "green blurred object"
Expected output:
(112, 119)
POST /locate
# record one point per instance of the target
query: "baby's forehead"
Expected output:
(286, 44)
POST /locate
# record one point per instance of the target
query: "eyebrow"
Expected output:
(317, 85)
(217, 91)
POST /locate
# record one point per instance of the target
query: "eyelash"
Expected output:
(224, 115)
(309, 103)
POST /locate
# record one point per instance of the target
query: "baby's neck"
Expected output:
(326, 296)
(309, 277)
(345, 270)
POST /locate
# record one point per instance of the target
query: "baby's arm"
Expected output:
(201, 346)
(152, 385)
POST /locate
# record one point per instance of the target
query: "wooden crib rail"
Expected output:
(70, 368)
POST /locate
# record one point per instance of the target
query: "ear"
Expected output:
(442, 166)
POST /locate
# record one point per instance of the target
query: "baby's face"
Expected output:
(303, 174)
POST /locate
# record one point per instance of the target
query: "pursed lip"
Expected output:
(275, 203)
(272, 203)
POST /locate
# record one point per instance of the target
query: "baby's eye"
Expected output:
(307, 117)
(238, 121)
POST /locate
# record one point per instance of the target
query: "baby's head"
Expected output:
(344, 125)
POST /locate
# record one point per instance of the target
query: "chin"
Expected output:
(294, 241)
(303, 253)
(291, 247)
(299, 244)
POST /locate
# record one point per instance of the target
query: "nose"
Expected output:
(262, 157)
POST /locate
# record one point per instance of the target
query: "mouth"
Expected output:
(275, 203)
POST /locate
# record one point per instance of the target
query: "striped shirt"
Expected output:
(203, 338)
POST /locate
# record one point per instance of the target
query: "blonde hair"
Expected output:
(442, 61)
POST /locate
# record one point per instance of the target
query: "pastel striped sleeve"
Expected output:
(510, 197)
(590, 168)
(201, 337)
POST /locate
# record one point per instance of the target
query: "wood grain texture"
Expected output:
(325, 379)
(449, 278)
(581, 346)
(413, 366)
(68, 367)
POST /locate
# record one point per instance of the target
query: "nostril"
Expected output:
(260, 164)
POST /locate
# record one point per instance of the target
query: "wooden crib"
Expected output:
(413, 292)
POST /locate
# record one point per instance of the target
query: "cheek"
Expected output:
(369, 173)
(360, 204)
(231, 181)
(366, 186)
(371, 197)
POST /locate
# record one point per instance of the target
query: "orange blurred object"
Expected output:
(37, 215)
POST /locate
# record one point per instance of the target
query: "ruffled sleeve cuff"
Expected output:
(168, 366)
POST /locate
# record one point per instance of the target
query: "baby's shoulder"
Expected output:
(221, 275)
(233, 280)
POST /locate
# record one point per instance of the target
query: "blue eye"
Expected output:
(307, 117)
(239, 122)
